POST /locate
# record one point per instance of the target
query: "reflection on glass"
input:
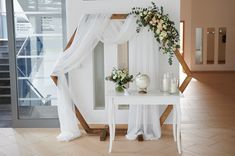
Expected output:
(199, 46)
(39, 39)
(222, 46)
(98, 64)
(40, 5)
(210, 45)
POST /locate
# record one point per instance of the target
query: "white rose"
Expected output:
(164, 34)
(152, 23)
(167, 41)
(166, 46)
(158, 31)
(164, 26)
(118, 72)
(154, 19)
(159, 26)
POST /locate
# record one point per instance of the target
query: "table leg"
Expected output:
(178, 128)
(110, 116)
(113, 122)
(174, 122)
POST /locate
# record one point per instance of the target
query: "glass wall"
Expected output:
(39, 40)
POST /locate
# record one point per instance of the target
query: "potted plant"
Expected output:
(121, 78)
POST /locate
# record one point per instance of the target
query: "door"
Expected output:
(36, 31)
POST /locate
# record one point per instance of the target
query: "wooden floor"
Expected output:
(208, 129)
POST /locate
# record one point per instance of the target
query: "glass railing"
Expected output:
(32, 79)
(39, 40)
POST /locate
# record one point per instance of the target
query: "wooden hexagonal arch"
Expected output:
(103, 132)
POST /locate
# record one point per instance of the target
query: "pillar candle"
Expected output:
(165, 83)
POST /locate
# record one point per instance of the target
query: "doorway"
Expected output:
(36, 33)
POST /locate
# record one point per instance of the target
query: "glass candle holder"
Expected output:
(173, 86)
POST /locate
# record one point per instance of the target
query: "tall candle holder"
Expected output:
(169, 83)
(173, 85)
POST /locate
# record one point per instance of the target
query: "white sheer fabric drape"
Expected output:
(91, 29)
(143, 58)
(84, 42)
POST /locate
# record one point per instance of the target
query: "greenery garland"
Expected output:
(163, 28)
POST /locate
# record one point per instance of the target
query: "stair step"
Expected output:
(3, 45)
(5, 107)
(4, 55)
(3, 42)
(4, 83)
(4, 60)
(5, 100)
(4, 95)
(4, 48)
(5, 91)
(5, 74)
(4, 79)
(3, 51)
(5, 86)
(4, 67)
(4, 71)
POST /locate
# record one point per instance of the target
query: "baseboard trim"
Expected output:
(211, 71)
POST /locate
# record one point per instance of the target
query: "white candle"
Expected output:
(165, 83)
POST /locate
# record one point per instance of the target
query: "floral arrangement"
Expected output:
(163, 28)
(120, 77)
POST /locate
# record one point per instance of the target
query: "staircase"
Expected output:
(5, 96)
(5, 93)
(25, 66)
(5, 90)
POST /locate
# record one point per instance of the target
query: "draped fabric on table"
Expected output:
(143, 58)
(91, 30)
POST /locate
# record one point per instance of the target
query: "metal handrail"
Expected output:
(23, 45)
(34, 88)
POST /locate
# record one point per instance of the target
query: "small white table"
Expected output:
(151, 98)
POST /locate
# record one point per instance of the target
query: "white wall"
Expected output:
(85, 79)
(185, 15)
(209, 13)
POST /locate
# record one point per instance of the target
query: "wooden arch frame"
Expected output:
(103, 132)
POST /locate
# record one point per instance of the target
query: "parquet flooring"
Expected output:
(208, 129)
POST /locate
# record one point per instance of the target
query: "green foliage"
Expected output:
(160, 24)
(120, 77)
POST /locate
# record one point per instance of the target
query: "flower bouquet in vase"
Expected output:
(121, 78)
